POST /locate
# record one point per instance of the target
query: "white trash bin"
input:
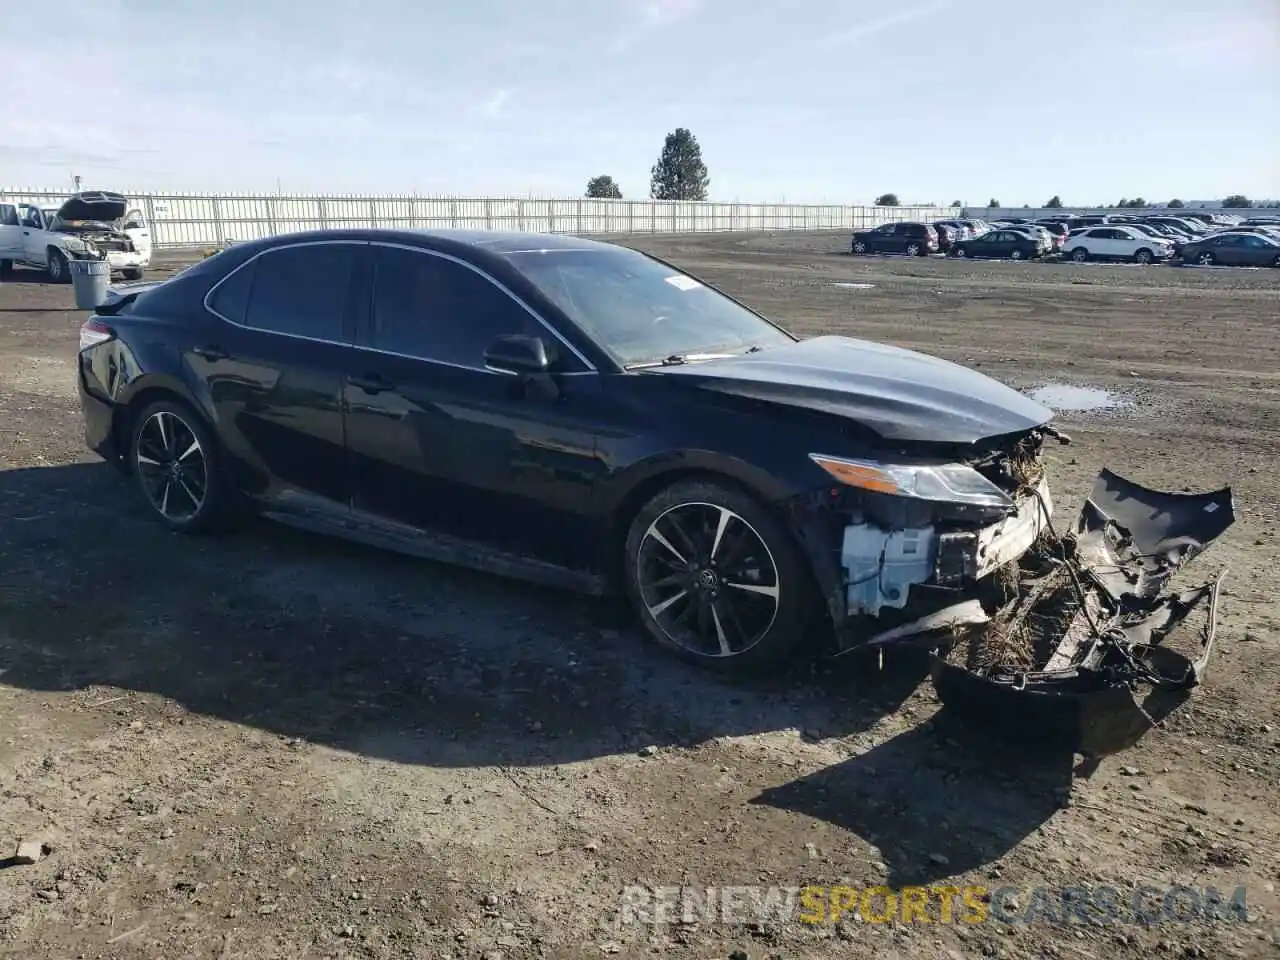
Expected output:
(91, 279)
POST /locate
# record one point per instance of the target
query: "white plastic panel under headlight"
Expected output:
(939, 482)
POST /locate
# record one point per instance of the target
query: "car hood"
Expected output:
(100, 205)
(899, 394)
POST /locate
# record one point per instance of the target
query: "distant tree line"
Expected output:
(681, 174)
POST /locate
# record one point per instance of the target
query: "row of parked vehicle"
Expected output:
(1202, 238)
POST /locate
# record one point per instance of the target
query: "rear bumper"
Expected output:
(99, 422)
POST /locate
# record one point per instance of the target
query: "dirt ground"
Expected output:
(276, 745)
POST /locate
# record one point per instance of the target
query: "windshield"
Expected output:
(642, 311)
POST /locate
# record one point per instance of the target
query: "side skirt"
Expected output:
(302, 512)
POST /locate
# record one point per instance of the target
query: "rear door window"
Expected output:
(301, 291)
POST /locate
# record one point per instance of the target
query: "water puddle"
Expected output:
(852, 286)
(1068, 396)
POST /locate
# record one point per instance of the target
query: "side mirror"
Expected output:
(519, 353)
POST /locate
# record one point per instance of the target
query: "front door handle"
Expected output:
(211, 351)
(370, 383)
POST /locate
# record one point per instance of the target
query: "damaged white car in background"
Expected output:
(93, 225)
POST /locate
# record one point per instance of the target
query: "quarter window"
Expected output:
(430, 307)
(230, 298)
(302, 290)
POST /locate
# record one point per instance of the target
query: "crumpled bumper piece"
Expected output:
(1080, 656)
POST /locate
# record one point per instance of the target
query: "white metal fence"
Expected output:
(180, 219)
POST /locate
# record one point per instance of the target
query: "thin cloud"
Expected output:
(651, 16)
(869, 28)
(492, 107)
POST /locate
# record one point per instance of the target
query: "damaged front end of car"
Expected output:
(93, 240)
(1029, 629)
(95, 222)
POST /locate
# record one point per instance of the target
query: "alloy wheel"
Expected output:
(172, 466)
(1206, 259)
(708, 579)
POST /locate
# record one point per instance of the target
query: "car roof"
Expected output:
(490, 242)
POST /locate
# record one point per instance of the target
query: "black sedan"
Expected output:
(570, 412)
(1001, 244)
(1233, 249)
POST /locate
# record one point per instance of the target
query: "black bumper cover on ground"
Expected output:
(1110, 677)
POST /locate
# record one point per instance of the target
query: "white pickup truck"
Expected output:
(95, 225)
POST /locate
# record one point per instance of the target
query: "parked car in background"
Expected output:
(1038, 232)
(1168, 228)
(1263, 229)
(965, 229)
(1233, 249)
(977, 225)
(1117, 242)
(909, 237)
(1082, 223)
(1160, 233)
(1058, 230)
(947, 235)
(1003, 244)
(531, 405)
(94, 225)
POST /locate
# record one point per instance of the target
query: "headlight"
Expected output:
(939, 482)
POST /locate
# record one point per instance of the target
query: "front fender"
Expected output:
(643, 474)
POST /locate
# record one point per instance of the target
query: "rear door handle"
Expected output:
(211, 352)
(370, 383)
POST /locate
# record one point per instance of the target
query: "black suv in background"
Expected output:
(913, 239)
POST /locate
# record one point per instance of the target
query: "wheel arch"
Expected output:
(142, 394)
(644, 481)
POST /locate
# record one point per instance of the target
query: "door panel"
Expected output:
(138, 230)
(477, 455)
(274, 365)
(440, 443)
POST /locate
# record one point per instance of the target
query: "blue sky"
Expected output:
(937, 101)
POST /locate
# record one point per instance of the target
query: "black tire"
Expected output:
(178, 509)
(56, 266)
(1276, 262)
(915, 250)
(722, 617)
(1206, 259)
(1143, 256)
(6, 268)
(961, 252)
(859, 247)
(132, 273)
(1079, 254)
(1015, 254)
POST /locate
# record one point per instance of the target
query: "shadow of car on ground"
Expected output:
(398, 659)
